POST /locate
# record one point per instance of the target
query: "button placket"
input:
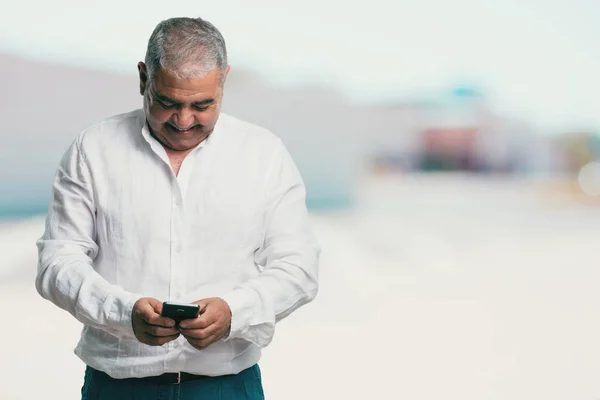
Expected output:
(175, 245)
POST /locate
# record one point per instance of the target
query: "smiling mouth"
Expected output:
(186, 130)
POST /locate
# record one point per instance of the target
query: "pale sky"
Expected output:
(537, 59)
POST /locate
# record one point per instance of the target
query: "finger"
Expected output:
(157, 319)
(158, 341)
(145, 311)
(214, 330)
(209, 340)
(151, 313)
(156, 305)
(203, 343)
(202, 333)
(204, 303)
(160, 331)
(201, 322)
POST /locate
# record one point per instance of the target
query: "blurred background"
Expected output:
(451, 152)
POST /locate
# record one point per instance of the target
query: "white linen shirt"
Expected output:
(121, 226)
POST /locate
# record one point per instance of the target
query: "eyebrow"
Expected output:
(166, 99)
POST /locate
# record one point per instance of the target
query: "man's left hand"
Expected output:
(213, 323)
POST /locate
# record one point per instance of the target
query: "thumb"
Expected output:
(202, 304)
(156, 305)
(143, 309)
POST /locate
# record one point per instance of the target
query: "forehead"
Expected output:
(187, 89)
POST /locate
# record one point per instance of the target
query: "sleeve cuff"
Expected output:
(247, 320)
(240, 305)
(121, 312)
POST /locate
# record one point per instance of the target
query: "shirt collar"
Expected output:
(156, 145)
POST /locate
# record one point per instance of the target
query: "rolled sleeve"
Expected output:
(66, 251)
(249, 321)
(289, 255)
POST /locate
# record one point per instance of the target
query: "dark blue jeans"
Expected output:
(246, 385)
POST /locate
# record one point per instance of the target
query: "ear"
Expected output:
(225, 77)
(143, 77)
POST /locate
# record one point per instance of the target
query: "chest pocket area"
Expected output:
(232, 219)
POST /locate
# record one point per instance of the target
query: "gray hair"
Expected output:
(186, 48)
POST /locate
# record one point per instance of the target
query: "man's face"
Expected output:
(181, 112)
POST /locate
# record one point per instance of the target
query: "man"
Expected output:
(177, 202)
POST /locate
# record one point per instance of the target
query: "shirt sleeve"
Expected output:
(67, 248)
(289, 254)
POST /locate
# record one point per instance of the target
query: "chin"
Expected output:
(183, 145)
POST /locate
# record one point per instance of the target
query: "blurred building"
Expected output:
(457, 132)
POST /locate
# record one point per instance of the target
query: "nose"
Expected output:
(183, 118)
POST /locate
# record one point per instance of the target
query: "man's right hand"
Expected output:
(149, 326)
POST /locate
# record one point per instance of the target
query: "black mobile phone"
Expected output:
(180, 311)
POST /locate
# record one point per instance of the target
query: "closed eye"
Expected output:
(166, 106)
